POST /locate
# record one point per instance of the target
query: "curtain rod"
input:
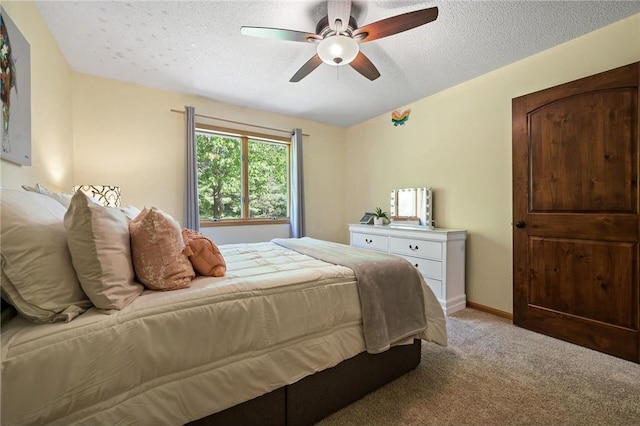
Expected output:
(238, 122)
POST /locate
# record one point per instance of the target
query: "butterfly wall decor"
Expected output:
(399, 118)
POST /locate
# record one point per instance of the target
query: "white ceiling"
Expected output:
(196, 48)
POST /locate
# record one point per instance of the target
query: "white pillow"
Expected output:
(60, 197)
(38, 278)
(98, 239)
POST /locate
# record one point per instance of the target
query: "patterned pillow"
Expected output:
(204, 254)
(38, 278)
(157, 250)
(98, 239)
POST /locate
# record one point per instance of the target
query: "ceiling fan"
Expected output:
(338, 37)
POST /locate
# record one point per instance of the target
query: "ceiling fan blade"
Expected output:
(395, 24)
(364, 66)
(309, 66)
(279, 34)
(339, 10)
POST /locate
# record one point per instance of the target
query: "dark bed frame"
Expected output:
(315, 397)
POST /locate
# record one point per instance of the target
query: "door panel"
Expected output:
(581, 153)
(575, 202)
(589, 279)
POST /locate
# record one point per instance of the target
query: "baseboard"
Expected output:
(490, 310)
(454, 304)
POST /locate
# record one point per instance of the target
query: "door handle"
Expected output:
(520, 224)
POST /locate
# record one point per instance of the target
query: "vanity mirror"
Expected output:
(412, 206)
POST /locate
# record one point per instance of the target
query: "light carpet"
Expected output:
(494, 373)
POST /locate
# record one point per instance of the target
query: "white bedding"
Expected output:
(172, 357)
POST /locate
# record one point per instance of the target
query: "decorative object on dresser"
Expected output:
(367, 219)
(439, 254)
(380, 217)
(412, 206)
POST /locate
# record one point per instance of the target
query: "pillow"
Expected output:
(98, 239)
(204, 254)
(38, 278)
(60, 197)
(157, 250)
(130, 211)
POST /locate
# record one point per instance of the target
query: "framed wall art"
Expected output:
(15, 93)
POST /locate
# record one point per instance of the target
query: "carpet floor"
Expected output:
(494, 373)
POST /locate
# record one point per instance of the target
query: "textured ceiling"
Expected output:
(197, 48)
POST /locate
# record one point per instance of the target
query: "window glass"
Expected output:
(219, 176)
(242, 177)
(268, 180)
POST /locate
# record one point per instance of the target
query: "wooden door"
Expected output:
(575, 212)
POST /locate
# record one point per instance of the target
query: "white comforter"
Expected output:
(169, 358)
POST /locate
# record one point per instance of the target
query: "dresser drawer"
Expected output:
(373, 242)
(436, 286)
(428, 268)
(419, 248)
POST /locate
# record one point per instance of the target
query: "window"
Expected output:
(242, 177)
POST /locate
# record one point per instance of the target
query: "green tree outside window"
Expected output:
(221, 174)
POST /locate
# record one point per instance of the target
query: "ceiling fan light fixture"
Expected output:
(338, 50)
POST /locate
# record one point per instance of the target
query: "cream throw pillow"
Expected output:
(38, 278)
(98, 239)
(158, 251)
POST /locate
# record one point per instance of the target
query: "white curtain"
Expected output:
(297, 186)
(192, 219)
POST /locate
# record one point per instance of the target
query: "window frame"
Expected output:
(244, 137)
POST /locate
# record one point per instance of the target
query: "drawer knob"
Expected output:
(368, 241)
(413, 247)
(416, 265)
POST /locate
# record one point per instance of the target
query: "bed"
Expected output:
(280, 339)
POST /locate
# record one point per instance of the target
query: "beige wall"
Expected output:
(459, 142)
(51, 121)
(126, 135)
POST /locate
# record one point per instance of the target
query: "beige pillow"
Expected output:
(38, 278)
(158, 251)
(98, 239)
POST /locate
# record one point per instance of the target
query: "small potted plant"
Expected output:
(380, 216)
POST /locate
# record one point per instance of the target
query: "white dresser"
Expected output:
(439, 254)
